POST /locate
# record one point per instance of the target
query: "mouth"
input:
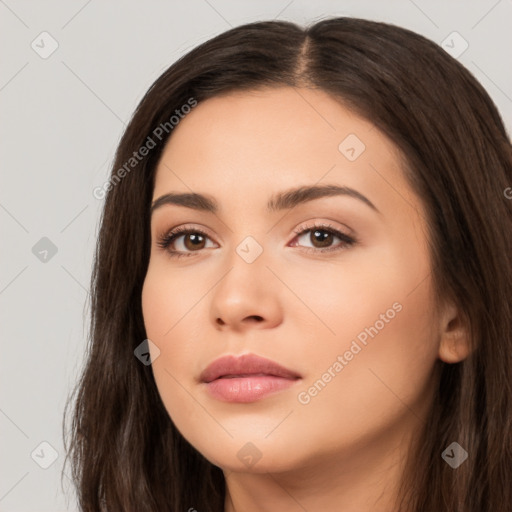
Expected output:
(246, 375)
(246, 378)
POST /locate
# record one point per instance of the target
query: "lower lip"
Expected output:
(247, 389)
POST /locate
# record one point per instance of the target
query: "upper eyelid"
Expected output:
(183, 229)
(327, 224)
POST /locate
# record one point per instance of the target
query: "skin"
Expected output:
(301, 309)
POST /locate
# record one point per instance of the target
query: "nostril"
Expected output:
(251, 318)
(257, 318)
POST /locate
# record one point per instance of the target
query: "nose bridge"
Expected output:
(246, 290)
(248, 238)
(247, 267)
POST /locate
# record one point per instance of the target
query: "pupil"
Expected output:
(195, 239)
(324, 237)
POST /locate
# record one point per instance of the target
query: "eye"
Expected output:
(321, 236)
(194, 239)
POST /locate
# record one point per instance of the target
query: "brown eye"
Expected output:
(193, 241)
(322, 238)
(187, 241)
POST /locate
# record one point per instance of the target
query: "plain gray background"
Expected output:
(61, 118)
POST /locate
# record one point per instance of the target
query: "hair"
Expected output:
(125, 451)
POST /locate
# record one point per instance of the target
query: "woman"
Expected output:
(307, 234)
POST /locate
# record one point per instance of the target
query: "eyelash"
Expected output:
(168, 238)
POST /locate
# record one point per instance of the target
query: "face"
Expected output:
(333, 285)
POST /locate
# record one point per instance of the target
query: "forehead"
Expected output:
(239, 144)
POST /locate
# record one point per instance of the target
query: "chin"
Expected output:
(253, 457)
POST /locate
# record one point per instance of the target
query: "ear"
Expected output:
(454, 345)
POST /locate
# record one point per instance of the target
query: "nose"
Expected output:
(247, 297)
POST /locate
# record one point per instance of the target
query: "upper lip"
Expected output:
(244, 365)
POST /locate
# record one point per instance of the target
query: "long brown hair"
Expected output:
(125, 451)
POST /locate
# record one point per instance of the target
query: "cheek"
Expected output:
(380, 314)
(368, 295)
(155, 303)
(169, 319)
(382, 360)
(382, 385)
(166, 302)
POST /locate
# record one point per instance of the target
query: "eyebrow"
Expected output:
(281, 201)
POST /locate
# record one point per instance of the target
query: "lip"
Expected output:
(246, 378)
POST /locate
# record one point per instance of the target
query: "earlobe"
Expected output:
(454, 342)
